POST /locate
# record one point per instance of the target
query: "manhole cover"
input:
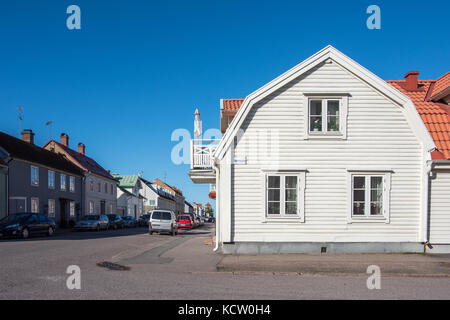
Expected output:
(113, 266)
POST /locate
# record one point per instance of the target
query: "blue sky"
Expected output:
(137, 70)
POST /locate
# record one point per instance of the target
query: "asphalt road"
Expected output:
(165, 267)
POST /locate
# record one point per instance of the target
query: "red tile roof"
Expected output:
(232, 104)
(86, 163)
(441, 84)
(436, 116)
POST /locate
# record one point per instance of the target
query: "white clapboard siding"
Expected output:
(378, 135)
(440, 208)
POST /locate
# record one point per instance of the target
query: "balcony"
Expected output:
(202, 151)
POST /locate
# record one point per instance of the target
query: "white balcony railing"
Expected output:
(201, 153)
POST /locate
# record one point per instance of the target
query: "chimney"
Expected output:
(64, 139)
(28, 136)
(411, 80)
(81, 148)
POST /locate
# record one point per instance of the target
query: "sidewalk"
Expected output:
(408, 265)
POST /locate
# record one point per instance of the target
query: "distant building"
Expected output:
(174, 191)
(100, 192)
(156, 198)
(188, 207)
(3, 189)
(129, 200)
(39, 180)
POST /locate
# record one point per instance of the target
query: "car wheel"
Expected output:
(25, 233)
(50, 231)
(150, 232)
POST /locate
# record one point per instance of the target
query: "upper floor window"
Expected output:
(106, 187)
(63, 182)
(34, 176)
(326, 116)
(99, 187)
(111, 188)
(91, 185)
(51, 179)
(72, 184)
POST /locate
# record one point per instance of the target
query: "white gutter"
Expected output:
(216, 168)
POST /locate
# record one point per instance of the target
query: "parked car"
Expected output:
(185, 221)
(163, 221)
(25, 224)
(129, 222)
(93, 222)
(212, 220)
(197, 221)
(144, 220)
(115, 221)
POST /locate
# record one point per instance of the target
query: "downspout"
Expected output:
(216, 169)
(426, 205)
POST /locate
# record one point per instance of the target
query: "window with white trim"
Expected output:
(51, 208)
(91, 207)
(284, 195)
(326, 116)
(34, 205)
(370, 194)
(51, 179)
(72, 208)
(72, 184)
(34, 176)
(63, 182)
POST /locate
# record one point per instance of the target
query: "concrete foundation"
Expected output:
(321, 247)
(438, 248)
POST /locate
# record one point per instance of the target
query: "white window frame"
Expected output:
(386, 175)
(50, 213)
(72, 183)
(31, 203)
(51, 186)
(91, 207)
(60, 182)
(72, 208)
(343, 112)
(37, 178)
(300, 173)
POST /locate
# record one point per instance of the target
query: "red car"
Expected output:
(185, 221)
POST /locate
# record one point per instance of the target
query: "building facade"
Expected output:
(100, 188)
(3, 189)
(329, 158)
(130, 202)
(41, 181)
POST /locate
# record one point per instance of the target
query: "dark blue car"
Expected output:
(25, 224)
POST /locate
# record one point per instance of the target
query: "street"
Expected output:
(166, 267)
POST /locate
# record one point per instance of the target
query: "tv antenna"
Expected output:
(20, 112)
(49, 124)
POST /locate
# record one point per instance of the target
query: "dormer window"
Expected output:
(326, 116)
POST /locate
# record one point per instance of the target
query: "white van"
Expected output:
(163, 221)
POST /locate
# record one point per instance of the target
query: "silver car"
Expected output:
(93, 222)
(163, 221)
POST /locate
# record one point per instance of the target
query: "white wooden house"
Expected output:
(327, 157)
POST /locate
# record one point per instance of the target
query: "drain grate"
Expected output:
(113, 266)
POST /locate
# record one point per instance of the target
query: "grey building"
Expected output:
(38, 180)
(3, 189)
